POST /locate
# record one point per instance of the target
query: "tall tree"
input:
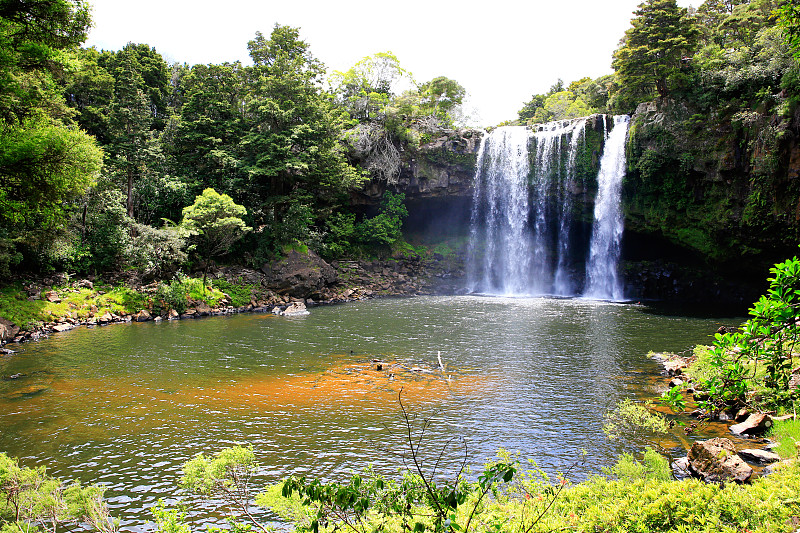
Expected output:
(205, 145)
(649, 63)
(44, 161)
(131, 140)
(294, 143)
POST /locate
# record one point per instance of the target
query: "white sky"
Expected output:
(501, 51)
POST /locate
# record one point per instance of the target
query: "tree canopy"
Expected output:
(649, 62)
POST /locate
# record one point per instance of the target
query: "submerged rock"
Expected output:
(716, 461)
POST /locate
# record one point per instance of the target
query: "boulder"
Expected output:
(8, 330)
(6, 351)
(680, 468)
(756, 424)
(62, 327)
(759, 456)
(715, 461)
(84, 284)
(295, 309)
(173, 315)
(299, 275)
(202, 309)
(142, 316)
(52, 297)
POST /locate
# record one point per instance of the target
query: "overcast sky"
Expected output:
(501, 51)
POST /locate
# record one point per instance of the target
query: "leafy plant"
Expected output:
(32, 498)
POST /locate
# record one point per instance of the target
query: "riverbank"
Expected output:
(32, 307)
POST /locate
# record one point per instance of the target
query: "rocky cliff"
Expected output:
(723, 185)
(444, 167)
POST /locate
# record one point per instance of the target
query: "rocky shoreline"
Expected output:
(286, 287)
(719, 459)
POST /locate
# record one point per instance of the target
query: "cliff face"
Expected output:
(443, 168)
(724, 186)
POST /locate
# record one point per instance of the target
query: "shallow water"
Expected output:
(126, 405)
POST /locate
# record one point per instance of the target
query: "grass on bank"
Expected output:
(78, 303)
(787, 434)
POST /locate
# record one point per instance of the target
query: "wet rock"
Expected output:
(202, 309)
(8, 330)
(755, 455)
(6, 351)
(770, 469)
(157, 319)
(295, 309)
(715, 461)
(142, 316)
(742, 415)
(675, 382)
(680, 468)
(756, 424)
(59, 328)
(173, 315)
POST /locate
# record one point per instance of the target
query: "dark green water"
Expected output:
(125, 405)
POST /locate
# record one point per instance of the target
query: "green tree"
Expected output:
(32, 499)
(649, 62)
(132, 145)
(441, 96)
(366, 89)
(293, 147)
(214, 222)
(89, 89)
(789, 21)
(206, 144)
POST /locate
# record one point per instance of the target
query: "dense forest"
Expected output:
(108, 158)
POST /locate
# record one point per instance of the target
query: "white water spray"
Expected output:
(602, 279)
(520, 214)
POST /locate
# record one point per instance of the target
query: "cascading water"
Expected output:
(499, 220)
(522, 240)
(512, 223)
(602, 280)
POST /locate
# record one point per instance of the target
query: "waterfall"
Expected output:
(602, 280)
(499, 219)
(521, 214)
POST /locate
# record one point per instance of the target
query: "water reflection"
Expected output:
(127, 404)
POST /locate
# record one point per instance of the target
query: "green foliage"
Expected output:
(767, 339)
(170, 520)
(633, 421)
(240, 293)
(649, 61)
(214, 222)
(385, 227)
(172, 295)
(30, 498)
(787, 434)
(789, 21)
(582, 98)
(43, 166)
(653, 466)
